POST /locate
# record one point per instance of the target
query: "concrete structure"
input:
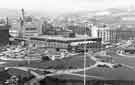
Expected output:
(94, 31)
(68, 43)
(111, 35)
(30, 29)
(29, 26)
(81, 29)
(102, 31)
(115, 35)
(15, 27)
(107, 35)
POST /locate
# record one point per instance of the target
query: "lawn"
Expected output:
(123, 60)
(121, 73)
(120, 59)
(66, 63)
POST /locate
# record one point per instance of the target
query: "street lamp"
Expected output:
(28, 51)
(85, 48)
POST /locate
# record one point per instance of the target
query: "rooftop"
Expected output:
(54, 37)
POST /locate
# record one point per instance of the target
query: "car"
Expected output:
(109, 46)
(47, 72)
(45, 58)
(106, 66)
(117, 65)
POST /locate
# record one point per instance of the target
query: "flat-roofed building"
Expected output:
(69, 43)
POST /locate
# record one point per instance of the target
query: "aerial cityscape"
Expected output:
(67, 44)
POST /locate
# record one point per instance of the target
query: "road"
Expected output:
(60, 72)
(67, 71)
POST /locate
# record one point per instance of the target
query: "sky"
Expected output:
(64, 5)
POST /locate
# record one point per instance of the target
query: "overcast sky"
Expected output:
(64, 5)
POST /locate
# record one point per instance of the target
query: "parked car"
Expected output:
(117, 65)
(45, 58)
(106, 66)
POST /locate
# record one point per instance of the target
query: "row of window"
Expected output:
(31, 28)
(49, 44)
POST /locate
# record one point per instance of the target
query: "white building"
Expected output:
(94, 31)
(102, 32)
(31, 28)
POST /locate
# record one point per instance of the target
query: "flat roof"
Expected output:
(60, 38)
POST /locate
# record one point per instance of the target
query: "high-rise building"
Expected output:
(4, 32)
(102, 32)
(29, 26)
(94, 30)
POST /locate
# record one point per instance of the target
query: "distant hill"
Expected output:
(109, 16)
(4, 12)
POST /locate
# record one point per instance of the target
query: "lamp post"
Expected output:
(28, 51)
(85, 48)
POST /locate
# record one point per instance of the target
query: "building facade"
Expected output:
(108, 35)
(103, 32)
(70, 44)
(80, 29)
(4, 34)
(114, 36)
(111, 35)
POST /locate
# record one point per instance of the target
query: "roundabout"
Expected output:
(126, 52)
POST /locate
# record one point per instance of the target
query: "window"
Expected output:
(30, 28)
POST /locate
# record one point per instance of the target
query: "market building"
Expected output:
(68, 43)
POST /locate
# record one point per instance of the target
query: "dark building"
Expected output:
(4, 34)
(47, 28)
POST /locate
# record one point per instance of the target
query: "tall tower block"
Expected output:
(94, 31)
(22, 12)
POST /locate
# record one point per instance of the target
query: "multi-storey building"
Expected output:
(30, 26)
(4, 32)
(115, 35)
(103, 32)
(107, 35)
(30, 29)
(80, 29)
(125, 34)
